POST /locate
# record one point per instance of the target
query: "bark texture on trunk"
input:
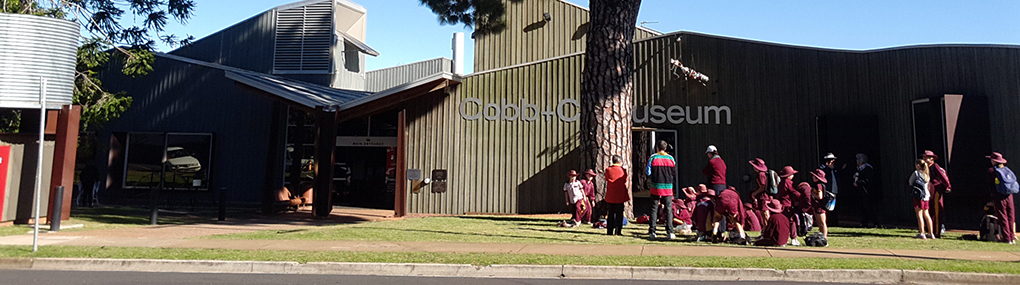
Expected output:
(607, 87)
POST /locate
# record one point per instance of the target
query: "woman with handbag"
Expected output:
(919, 191)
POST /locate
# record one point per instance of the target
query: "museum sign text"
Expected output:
(567, 110)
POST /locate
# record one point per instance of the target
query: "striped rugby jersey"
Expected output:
(661, 170)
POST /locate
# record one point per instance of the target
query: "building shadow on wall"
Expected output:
(543, 191)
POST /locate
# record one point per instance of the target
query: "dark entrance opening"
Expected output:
(366, 162)
(956, 128)
(845, 136)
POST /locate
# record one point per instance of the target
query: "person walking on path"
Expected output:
(786, 195)
(866, 183)
(661, 170)
(715, 170)
(938, 186)
(1003, 202)
(777, 226)
(816, 196)
(829, 168)
(919, 182)
(616, 194)
(574, 192)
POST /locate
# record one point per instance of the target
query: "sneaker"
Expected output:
(921, 236)
(671, 236)
(794, 242)
(931, 236)
(700, 238)
(651, 236)
(942, 230)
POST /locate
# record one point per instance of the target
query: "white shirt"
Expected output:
(575, 191)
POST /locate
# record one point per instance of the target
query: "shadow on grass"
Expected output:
(544, 221)
(235, 216)
(470, 234)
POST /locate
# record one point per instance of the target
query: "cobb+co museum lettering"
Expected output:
(473, 109)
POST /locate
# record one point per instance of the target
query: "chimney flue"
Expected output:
(458, 53)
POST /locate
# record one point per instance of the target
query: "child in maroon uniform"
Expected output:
(818, 210)
(1003, 203)
(751, 220)
(727, 206)
(574, 192)
(777, 228)
(786, 195)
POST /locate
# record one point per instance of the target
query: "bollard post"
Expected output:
(223, 204)
(58, 209)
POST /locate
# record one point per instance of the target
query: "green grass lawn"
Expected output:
(506, 229)
(492, 258)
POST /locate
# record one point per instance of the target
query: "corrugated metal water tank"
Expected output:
(32, 47)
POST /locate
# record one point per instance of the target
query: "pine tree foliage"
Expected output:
(485, 16)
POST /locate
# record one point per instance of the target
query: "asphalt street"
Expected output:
(41, 277)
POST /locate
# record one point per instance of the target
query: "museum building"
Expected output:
(282, 99)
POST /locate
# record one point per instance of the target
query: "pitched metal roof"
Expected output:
(303, 93)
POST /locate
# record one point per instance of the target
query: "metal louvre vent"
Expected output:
(304, 36)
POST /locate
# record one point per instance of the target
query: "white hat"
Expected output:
(829, 156)
(711, 148)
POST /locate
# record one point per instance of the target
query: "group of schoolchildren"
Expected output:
(779, 208)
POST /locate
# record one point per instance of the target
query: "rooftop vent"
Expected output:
(303, 39)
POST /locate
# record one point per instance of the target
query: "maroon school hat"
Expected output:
(572, 173)
(774, 206)
(758, 164)
(591, 173)
(930, 153)
(996, 158)
(820, 175)
(787, 171)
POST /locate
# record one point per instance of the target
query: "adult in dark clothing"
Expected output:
(777, 226)
(1004, 210)
(867, 184)
(715, 170)
(829, 168)
(661, 170)
(938, 186)
(616, 194)
(787, 195)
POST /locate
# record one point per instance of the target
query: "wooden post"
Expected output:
(399, 201)
(275, 156)
(325, 157)
(65, 153)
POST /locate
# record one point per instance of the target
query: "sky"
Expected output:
(403, 31)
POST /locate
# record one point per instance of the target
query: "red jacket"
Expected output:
(616, 185)
(715, 171)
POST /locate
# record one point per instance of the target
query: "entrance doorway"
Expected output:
(845, 136)
(957, 129)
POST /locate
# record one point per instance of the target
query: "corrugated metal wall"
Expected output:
(382, 79)
(528, 38)
(775, 92)
(246, 45)
(497, 166)
(32, 47)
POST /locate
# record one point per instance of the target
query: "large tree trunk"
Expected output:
(607, 87)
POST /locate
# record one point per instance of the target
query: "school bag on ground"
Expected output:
(772, 182)
(989, 230)
(816, 239)
(1006, 181)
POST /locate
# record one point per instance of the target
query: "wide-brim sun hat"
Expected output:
(829, 156)
(930, 153)
(758, 164)
(774, 206)
(996, 158)
(590, 172)
(572, 173)
(787, 171)
(820, 175)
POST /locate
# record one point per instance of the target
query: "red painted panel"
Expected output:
(5, 157)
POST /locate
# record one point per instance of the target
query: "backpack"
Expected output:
(989, 229)
(816, 239)
(804, 223)
(1006, 181)
(772, 182)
